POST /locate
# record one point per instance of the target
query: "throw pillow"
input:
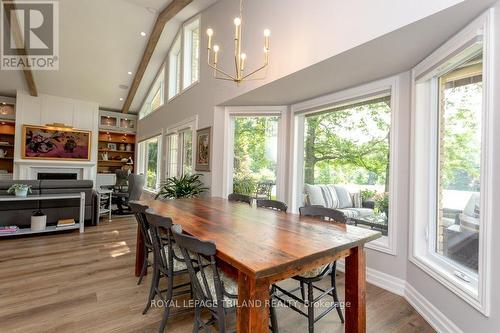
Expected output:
(344, 197)
(314, 195)
(357, 201)
(330, 196)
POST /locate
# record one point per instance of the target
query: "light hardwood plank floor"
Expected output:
(71, 282)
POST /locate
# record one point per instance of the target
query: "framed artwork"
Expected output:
(203, 148)
(46, 142)
(111, 146)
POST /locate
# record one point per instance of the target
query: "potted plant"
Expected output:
(187, 186)
(20, 190)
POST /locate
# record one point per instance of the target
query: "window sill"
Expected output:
(383, 245)
(184, 90)
(439, 270)
(151, 191)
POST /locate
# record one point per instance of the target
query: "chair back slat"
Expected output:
(323, 213)
(272, 204)
(240, 198)
(201, 261)
(161, 236)
(139, 211)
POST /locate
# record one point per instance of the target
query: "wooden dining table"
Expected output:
(266, 246)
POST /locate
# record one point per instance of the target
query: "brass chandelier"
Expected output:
(239, 57)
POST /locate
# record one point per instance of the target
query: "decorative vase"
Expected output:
(122, 147)
(129, 147)
(38, 221)
(21, 192)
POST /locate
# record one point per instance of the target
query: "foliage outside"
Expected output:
(255, 152)
(152, 164)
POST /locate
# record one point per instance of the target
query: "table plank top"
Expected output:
(260, 241)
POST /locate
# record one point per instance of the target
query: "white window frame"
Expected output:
(175, 52)
(157, 86)
(386, 244)
(142, 158)
(190, 124)
(254, 111)
(422, 185)
(187, 56)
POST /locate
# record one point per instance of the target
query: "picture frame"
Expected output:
(111, 146)
(203, 149)
(55, 143)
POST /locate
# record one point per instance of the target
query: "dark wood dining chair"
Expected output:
(309, 279)
(240, 198)
(169, 262)
(272, 204)
(139, 212)
(323, 213)
(213, 289)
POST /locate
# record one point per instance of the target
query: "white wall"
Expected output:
(302, 34)
(47, 109)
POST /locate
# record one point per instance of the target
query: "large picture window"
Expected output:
(451, 158)
(255, 155)
(150, 165)
(346, 159)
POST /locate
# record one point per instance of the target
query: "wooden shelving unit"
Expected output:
(123, 142)
(7, 132)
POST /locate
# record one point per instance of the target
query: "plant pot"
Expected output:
(22, 192)
(38, 223)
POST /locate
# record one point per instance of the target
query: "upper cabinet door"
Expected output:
(117, 122)
(108, 122)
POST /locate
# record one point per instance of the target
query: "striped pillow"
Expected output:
(330, 196)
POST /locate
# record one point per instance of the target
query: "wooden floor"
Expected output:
(71, 282)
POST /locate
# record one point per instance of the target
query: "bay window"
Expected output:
(450, 165)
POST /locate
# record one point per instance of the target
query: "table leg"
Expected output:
(355, 291)
(139, 253)
(253, 301)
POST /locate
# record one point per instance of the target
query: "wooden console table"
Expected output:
(39, 197)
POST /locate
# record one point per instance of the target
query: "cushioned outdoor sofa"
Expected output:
(338, 198)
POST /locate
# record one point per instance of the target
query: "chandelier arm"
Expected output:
(221, 72)
(255, 71)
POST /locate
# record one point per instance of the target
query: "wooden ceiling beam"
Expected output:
(166, 15)
(21, 49)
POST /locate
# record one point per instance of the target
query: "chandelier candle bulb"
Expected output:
(210, 32)
(243, 57)
(239, 57)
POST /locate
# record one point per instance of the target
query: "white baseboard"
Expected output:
(400, 287)
(380, 279)
(429, 312)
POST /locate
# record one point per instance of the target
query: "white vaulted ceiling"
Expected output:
(99, 43)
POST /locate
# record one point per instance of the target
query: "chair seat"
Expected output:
(178, 265)
(313, 272)
(229, 284)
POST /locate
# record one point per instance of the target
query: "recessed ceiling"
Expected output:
(100, 42)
